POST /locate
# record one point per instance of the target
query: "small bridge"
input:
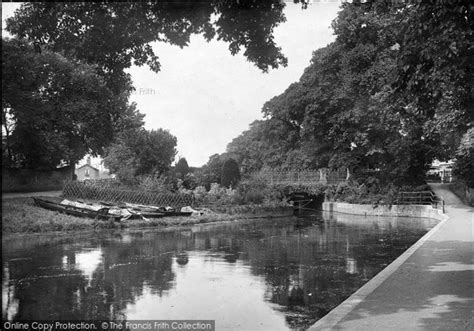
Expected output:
(299, 183)
(305, 177)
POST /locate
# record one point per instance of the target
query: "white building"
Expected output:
(443, 170)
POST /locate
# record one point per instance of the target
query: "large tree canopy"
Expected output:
(116, 35)
(140, 152)
(54, 109)
(111, 37)
(390, 94)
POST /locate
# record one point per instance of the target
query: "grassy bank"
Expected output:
(20, 215)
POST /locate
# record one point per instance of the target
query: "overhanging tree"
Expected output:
(388, 96)
(55, 110)
(114, 36)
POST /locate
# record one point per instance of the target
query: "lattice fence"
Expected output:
(79, 190)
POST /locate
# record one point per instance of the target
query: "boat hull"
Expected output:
(104, 213)
(76, 211)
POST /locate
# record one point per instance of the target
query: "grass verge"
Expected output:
(20, 215)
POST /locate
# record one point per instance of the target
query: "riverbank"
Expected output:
(20, 216)
(428, 287)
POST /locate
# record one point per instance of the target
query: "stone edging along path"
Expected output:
(329, 321)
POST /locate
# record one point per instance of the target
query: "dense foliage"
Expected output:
(387, 97)
(211, 172)
(115, 35)
(140, 152)
(55, 110)
(230, 173)
(65, 86)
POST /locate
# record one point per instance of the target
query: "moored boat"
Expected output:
(109, 210)
(100, 213)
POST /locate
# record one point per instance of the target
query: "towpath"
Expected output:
(432, 289)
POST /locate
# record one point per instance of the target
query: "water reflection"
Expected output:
(87, 262)
(263, 274)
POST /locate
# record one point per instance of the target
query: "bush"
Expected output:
(217, 195)
(162, 184)
(250, 191)
(368, 191)
(222, 195)
(256, 190)
(190, 182)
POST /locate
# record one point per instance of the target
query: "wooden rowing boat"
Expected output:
(102, 213)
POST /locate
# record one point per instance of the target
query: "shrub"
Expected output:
(164, 184)
(256, 190)
(190, 181)
(222, 195)
(200, 195)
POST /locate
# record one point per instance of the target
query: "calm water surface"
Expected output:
(276, 274)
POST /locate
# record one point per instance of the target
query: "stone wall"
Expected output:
(384, 210)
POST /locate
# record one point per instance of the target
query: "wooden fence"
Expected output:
(89, 191)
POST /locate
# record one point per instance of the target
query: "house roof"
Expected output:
(87, 165)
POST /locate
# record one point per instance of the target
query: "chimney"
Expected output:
(89, 160)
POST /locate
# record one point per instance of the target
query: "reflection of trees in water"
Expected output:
(308, 269)
(63, 292)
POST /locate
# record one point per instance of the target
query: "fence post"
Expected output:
(443, 205)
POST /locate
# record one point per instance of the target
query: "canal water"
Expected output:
(273, 274)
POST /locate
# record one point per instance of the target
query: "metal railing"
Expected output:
(420, 198)
(302, 177)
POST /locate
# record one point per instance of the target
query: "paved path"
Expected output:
(433, 289)
(31, 194)
(443, 191)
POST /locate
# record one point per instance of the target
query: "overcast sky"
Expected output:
(206, 97)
